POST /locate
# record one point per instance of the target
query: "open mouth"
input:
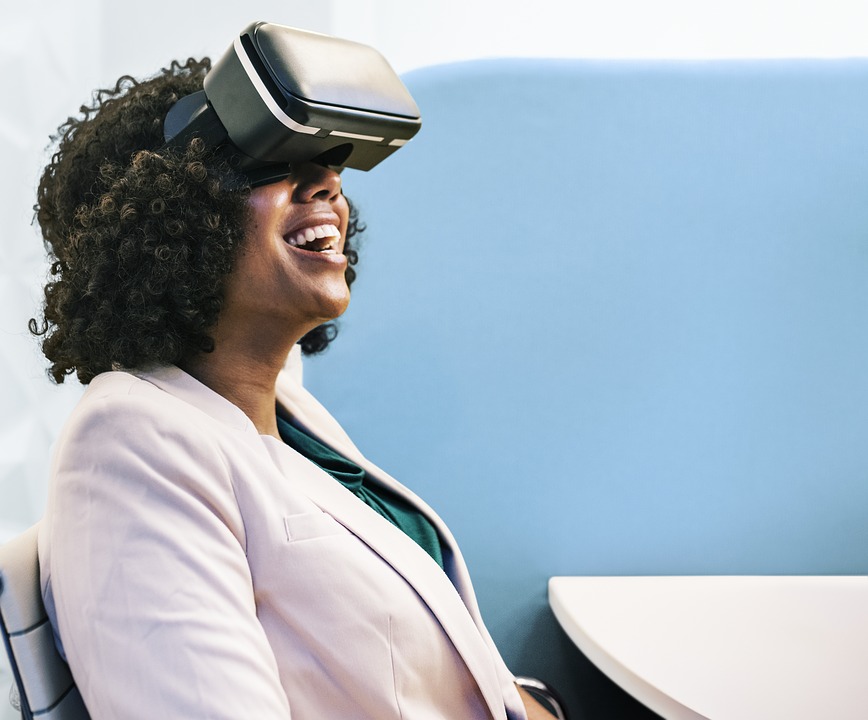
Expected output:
(319, 239)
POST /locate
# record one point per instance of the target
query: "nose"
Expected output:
(316, 182)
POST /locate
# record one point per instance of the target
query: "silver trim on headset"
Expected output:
(356, 136)
(266, 96)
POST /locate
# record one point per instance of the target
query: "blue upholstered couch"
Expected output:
(612, 318)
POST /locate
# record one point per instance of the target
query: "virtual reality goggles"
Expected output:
(281, 96)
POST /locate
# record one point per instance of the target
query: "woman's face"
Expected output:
(289, 274)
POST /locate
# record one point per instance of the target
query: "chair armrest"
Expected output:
(546, 694)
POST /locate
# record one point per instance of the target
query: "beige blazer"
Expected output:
(193, 568)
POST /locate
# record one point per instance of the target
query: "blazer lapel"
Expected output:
(307, 411)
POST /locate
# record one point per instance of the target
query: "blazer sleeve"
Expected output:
(147, 570)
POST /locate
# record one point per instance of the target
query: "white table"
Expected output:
(726, 648)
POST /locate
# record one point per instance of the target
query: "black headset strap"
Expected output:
(192, 116)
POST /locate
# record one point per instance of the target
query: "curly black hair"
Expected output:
(140, 237)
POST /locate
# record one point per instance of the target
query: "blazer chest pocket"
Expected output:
(311, 525)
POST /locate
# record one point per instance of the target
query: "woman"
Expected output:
(214, 544)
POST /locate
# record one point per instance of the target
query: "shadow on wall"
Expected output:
(611, 319)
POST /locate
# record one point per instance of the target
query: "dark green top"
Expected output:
(353, 477)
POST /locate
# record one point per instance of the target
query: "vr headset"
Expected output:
(281, 97)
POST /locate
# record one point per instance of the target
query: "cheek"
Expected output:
(252, 272)
(343, 210)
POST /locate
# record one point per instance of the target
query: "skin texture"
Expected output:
(275, 293)
(275, 283)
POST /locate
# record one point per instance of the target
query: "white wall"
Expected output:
(412, 34)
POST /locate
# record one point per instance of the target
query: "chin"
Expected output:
(337, 306)
(342, 310)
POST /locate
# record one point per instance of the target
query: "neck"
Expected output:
(245, 378)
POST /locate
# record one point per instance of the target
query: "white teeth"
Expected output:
(317, 232)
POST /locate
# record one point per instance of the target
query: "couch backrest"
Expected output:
(612, 318)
